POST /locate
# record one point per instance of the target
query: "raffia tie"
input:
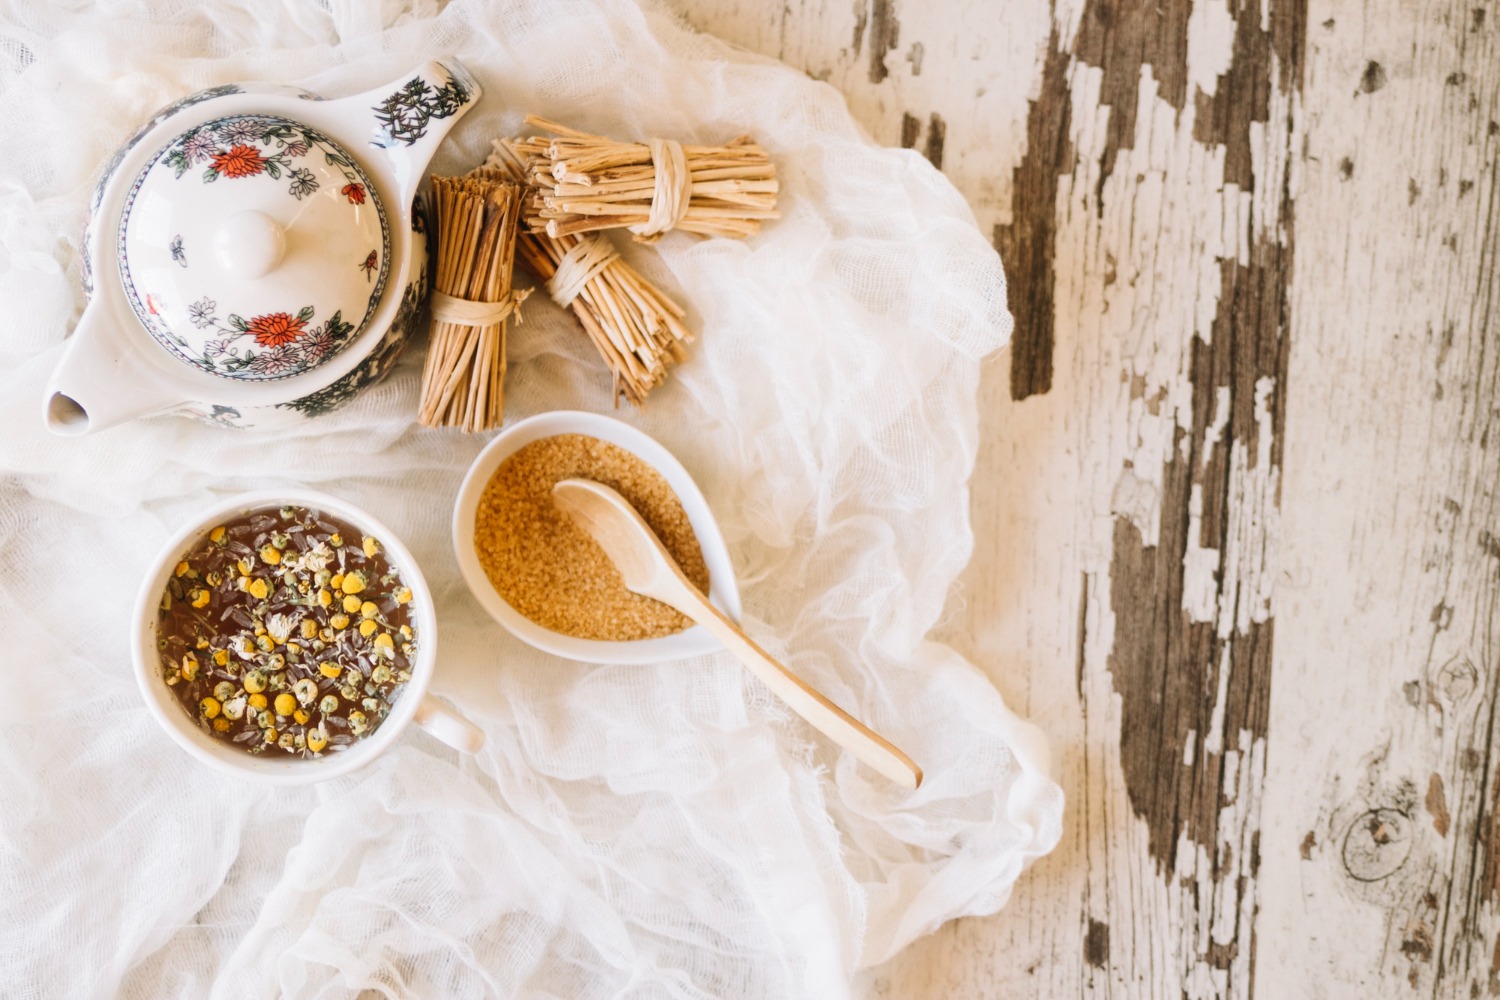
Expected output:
(466, 312)
(578, 267)
(673, 190)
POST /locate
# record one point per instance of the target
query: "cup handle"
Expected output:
(443, 721)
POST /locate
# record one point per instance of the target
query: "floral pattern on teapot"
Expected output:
(269, 341)
(403, 116)
(131, 141)
(289, 345)
(369, 371)
(248, 145)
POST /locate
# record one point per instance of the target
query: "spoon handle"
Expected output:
(835, 723)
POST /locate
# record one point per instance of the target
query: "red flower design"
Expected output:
(368, 265)
(276, 329)
(354, 192)
(238, 161)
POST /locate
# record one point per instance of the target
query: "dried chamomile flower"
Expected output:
(273, 632)
(305, 690)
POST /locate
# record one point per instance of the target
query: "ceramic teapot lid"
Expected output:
(253, 247)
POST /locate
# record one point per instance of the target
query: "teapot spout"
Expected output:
(407, 118)
(97, 384)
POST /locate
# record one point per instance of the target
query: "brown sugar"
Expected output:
(549, 569)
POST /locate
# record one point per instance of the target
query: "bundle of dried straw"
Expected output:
(636, 328)
(463, 382)
(587, 182)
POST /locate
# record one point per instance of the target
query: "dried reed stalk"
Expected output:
(587, 182)
(463, 381)
(636, 329)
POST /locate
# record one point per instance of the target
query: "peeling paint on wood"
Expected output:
(911, 128)
(1122, 40)
(1028, 244)
(1246, 435)
(1437, 805)
(1096, 944)
(1191, 659)
(937, 134)
(885, 33)
(1414, 597)
(1373, 78)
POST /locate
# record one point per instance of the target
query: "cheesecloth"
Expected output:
(659, 831)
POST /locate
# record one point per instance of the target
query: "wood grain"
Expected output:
(1237, 538)
(1387, 671)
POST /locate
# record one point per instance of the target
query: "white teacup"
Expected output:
(413, 704)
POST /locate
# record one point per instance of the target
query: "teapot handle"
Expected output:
(406, 119)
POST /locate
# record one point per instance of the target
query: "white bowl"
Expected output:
(413, 705)
(692, 641)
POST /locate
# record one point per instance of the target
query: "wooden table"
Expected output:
(1237, 537)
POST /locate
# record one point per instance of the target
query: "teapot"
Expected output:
(255, 255)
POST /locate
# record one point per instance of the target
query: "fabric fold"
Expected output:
(644, 831)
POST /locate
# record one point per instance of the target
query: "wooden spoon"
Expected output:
(649, 569)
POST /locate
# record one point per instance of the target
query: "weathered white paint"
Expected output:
(1387, 643)
(1376, 543)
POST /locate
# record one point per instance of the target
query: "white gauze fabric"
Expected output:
(657, 831)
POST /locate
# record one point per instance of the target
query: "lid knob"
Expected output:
(249, 244)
